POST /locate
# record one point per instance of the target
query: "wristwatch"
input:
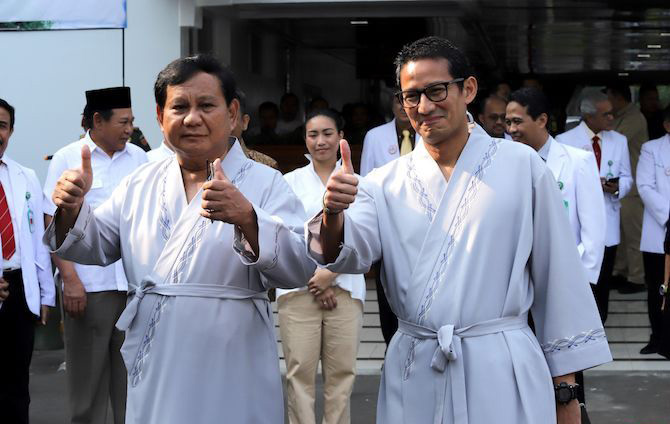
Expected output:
(663, 290)
(565, 393)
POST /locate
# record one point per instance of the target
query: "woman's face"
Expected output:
(322, 138)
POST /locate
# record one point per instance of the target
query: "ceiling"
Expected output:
(555, 39)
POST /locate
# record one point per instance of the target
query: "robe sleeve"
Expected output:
(94, 238)
(281, 259)
(567, 323)
(362, 243)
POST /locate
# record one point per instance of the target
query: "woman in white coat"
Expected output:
(324, 320)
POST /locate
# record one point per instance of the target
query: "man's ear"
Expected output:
(245, 121)
(542, 120)
(233, 110)
(470, 87)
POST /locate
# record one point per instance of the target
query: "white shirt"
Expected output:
(162, 152)
(591, 134)
(15, 261)
(309, 188)
(107, 174)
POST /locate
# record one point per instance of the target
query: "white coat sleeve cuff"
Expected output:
(268, 245)
(76, 233)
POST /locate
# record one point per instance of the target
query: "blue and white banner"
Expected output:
(28, 15)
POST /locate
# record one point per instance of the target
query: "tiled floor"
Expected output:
(627, 330)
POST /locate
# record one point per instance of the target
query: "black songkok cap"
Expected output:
(108, 98)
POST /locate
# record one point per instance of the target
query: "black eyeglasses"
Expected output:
(435, 92)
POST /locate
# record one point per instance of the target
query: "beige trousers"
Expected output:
(629, 258)
(310, 333)
(95, 370)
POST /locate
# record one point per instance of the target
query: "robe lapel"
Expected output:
(18, 183)
(556, 158)
(187, 225)
(441, 236)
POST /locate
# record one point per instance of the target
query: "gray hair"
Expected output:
(590, 98)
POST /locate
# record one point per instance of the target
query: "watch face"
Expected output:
(564, 394)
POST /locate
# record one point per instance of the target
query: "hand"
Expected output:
(222, 201)
(4, 289)
(320, 281)
(327, 299)
(341, 187)
(44, 314)
(73, 185)
(610, 187)
(74, 296)
(569, 414)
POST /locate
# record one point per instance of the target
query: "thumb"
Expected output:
(345, 152)
(218, 171)
(86, 160)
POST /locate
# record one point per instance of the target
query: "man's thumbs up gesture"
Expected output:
(73, 185)
(222, 201)
(342, 185)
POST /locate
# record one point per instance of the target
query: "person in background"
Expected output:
(95, 296)
(268, 117)
(650, 106)
(358, 124)
(653, 184)
(492, 118)
(383, 144)
(594, 134)
(322, 321)
(243, 119)
(289, 119)
(629, 121)
(137, 138)
(26, 283)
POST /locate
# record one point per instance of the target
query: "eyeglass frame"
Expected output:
(399, 94)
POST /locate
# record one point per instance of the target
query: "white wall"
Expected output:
(44, 74)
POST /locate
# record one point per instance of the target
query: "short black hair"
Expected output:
(620, 89)
(242, 98)
(181, 70)
(10, 109)
(268, 106)
(328, 113)
(435, 48)
(87, 116)
(534, 100)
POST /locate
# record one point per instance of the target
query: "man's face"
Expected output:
(436, 122)
(196, 120)
(649, 101)
(114, 133)
(5, 130)
(493, 117)
(289, 108)
(603, 119)
(399, 114)
(523, 128)
(268, 119)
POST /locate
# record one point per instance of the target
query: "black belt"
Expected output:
(11, 274)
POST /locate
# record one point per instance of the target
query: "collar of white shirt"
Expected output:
(590, 133)
(92, 146)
